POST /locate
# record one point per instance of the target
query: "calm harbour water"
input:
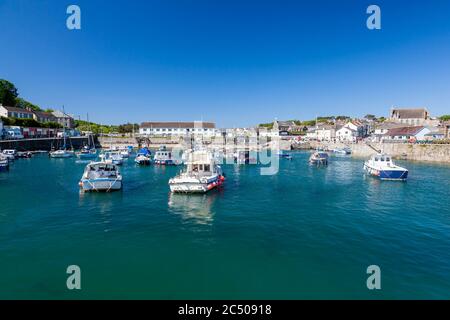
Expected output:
(303, 233)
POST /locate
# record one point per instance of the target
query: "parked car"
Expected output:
(14, 134)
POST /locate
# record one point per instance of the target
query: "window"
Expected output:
(207, 167)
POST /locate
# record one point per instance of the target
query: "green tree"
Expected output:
(8, 93)
(445, 117)
(21, 103)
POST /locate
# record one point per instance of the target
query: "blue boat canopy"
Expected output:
(144, 151)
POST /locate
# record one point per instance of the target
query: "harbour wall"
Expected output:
(44, 144)
(407, 151)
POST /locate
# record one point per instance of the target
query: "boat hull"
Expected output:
(100, 185)
(194, 185)
(399, 175)
(4, 166)
(165, 162)
(87, 156)
(61, 155)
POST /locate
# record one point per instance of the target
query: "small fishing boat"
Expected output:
(87, 153)
(201, 174)
(125, 152)
(282, 154)
(319, 158)
(382, 166)
(101, 176)
(63, 153)
(10, 154)
(24, 155)
(164, 157)
(4, 163)
(112, 157)
(342, 151)
(143, 157)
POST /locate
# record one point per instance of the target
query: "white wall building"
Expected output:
(326, 133)
(346, 134)
(14, 112)
(178, 128)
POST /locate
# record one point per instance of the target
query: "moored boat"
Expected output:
(10, 154)
(319, 158)
(164, 157)
(101, 176)
(201, 174)
(4, 163)
(87, 153)
(24, 155)
(382, 166)
(143, 157)
(112, 157)
(63, 153)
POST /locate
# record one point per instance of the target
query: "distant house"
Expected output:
(14, 112)
(446, 125)
(436, 134)
(326, 133)
(286, 127)
(178, 128)
(346, 134)
(407, 133)
(412, 117)
(44, 117)
(64, 119)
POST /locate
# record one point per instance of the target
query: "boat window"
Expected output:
(388, 159)
(201, 167)
(376, 159)
(382, 158)
(207, 167)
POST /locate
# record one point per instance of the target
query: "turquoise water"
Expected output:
(303, 233)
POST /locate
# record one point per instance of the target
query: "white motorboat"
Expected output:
(9, 154)
(165, 157)
(319, 158)
(383, 167)
(112, 157)
(61, 154)
(143, 157)
(4, 163)
(101, 176)
(200, 175)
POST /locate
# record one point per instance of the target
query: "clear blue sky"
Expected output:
(234, 62)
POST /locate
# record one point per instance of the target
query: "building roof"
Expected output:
(419, 113)
(199, 124)
(405, 131)
(16, 109)
(60, 114)
(43, 114)
(388, 125)
(286, 123)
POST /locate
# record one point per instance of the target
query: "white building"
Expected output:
(178, 128)
(346, 134)
(14, 112)
(325, 133)
(407, 133)
(64, 119)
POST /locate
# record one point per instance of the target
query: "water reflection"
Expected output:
(196, 208)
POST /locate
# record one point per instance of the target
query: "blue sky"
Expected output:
(237, 63)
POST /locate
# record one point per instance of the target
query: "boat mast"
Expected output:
(64, 127)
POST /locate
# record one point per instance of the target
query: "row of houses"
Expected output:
(60, 117)
(402, 125)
